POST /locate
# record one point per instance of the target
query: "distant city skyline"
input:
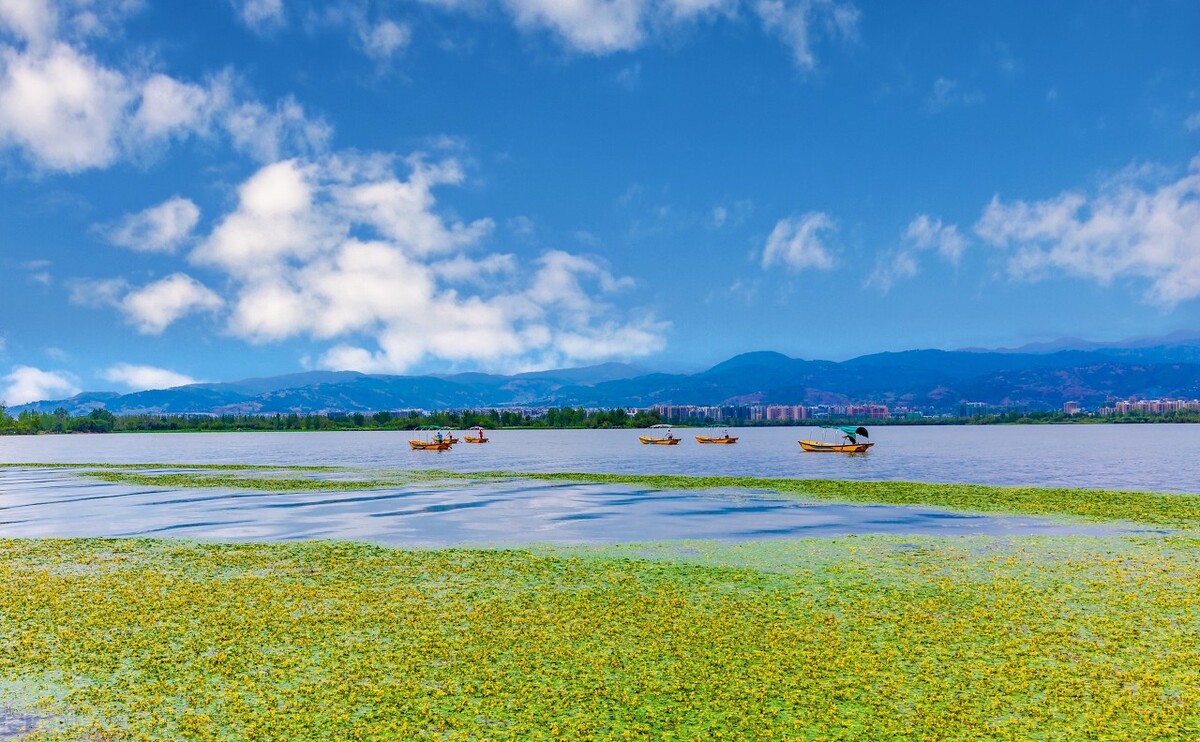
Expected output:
(217, 191)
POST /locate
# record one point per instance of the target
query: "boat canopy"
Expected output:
(661, 425)
(850, 431)
(434, 427)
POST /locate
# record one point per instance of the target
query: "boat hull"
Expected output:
(709, 439)
(818, 447)
(475, 439)
(650, 440)
(429, 445)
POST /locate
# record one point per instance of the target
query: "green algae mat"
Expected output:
(855, 638)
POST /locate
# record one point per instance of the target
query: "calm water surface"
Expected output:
(54, 502)
(1142, 457)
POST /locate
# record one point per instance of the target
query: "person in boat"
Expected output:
(438, 438)
(726, 434)
(670, 435)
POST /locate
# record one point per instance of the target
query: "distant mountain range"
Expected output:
(1036, 377)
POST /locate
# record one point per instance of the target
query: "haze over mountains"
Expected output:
(1035, 377)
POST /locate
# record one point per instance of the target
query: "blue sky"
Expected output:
(231, 188)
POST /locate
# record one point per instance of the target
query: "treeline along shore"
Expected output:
(99, 420)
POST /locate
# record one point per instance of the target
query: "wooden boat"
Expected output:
(477, 438)
(435, 442)
(666, 441)
(655, 440)
(848, 444)
(724, 438)
(817, 447)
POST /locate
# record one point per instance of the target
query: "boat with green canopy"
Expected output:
(848, 442)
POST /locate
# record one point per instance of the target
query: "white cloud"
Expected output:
(168, 106)
(890, 268)
(793, 22)
(158, 229)
(340, 249)
(66, 111)
(1138, 225)
(62, 108)
(924, 233)
(28, 384)
(31, 20)
(796, 243)
(1193, 122)
(384, 39)
(154, 307)
(138, 378)
(927, 233)
(608, 26)
(260, 15)
(267, 134)
(595, 26)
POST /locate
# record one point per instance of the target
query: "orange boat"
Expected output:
(436, 442)
(849, 442)
(652, 441)
(725, 438)
(667, 440)
(477, 438)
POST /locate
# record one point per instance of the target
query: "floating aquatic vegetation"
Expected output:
(870, 638)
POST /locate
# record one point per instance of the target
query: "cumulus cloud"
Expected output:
(796, 243)
(155, 306)
(61, 108)
(139, 378)
(1139, 225)
(158, 229)
(65, 110)
(28, 384)
(923, 234)
(31, 20)
(341, 248)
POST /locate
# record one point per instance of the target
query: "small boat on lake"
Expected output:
(723, 438)
(479, 437)
(429, 445)
(435, 442)
(847, 444)
(667, 440)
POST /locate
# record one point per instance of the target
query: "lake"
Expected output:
(1141, 457)
(38, 502)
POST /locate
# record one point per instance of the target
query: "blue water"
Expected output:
(53, 502)
(1142, 457)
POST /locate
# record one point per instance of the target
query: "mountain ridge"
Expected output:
(922, 379)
